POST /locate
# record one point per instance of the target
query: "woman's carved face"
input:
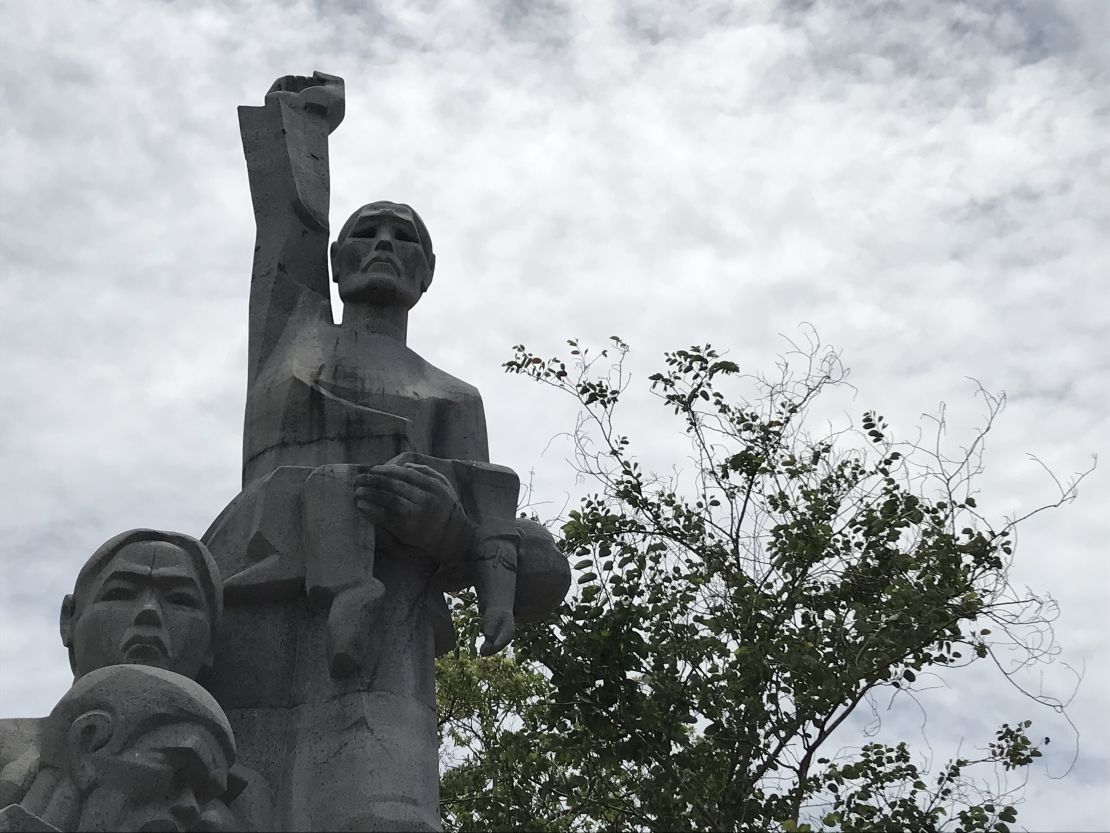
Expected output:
(147, 607)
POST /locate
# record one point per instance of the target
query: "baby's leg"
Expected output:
(339, 561)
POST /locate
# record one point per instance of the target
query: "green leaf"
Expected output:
(717, 638)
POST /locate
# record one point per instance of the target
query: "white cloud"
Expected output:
(924, 182)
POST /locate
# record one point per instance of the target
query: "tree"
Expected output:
(726, 627)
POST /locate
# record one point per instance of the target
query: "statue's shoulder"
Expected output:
(448, 386)
(460, 418)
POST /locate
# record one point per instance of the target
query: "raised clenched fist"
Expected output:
(319, 93)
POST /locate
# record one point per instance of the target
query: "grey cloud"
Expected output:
(923, 181)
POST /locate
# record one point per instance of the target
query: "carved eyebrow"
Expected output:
(120, 578)
(168, 578)
(163, 578)
(360, 228)
(124, 574)
(365, 222)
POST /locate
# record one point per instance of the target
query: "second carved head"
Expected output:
(145, 597)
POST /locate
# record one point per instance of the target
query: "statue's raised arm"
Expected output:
(286, 145)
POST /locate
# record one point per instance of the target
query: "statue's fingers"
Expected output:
(421, 477)
(388, 485)
(424, 477)
(381, 474)
(385, 470)
(280, 84)
(429, 472)
(384, 500)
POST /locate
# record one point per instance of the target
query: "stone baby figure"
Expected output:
(339, 542)
(131, 748)
(488, 494)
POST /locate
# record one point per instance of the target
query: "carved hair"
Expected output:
(130, 701)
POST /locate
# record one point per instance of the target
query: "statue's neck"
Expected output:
(54, 798)
(392, 322)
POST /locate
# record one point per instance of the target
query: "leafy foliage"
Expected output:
(723, 632)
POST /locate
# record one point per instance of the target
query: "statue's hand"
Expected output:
(319, 93)
(498, 628)
(419, 506)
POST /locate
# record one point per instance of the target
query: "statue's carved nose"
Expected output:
(149, 615)
(384, 246)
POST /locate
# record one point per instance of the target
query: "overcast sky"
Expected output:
(927, 183)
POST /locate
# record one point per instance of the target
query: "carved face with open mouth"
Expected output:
(147, 608)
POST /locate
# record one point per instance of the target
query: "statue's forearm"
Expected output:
(286, 148)
(285, 142)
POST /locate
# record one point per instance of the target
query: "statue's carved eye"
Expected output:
(368, 232)
(117, 592)
(405, 236)
(183, 599)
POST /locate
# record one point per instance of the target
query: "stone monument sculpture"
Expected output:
(131, 747)
(146, 597)
(314, 609)
(367, 492)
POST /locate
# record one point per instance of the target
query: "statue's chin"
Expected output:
(159, 824)
(146, 654)
(377, 288)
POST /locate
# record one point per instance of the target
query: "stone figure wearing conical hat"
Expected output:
(131, 748)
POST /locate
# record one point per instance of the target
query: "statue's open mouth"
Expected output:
(143, 648)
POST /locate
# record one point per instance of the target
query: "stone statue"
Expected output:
(312, 613)
(145, 597)
(131, 747)
(367, 492)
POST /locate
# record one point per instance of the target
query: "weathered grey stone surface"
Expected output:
(367, 492)
(14, 818)
(131, 747)
(19, 757)
(313, 611)
(145, 597)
